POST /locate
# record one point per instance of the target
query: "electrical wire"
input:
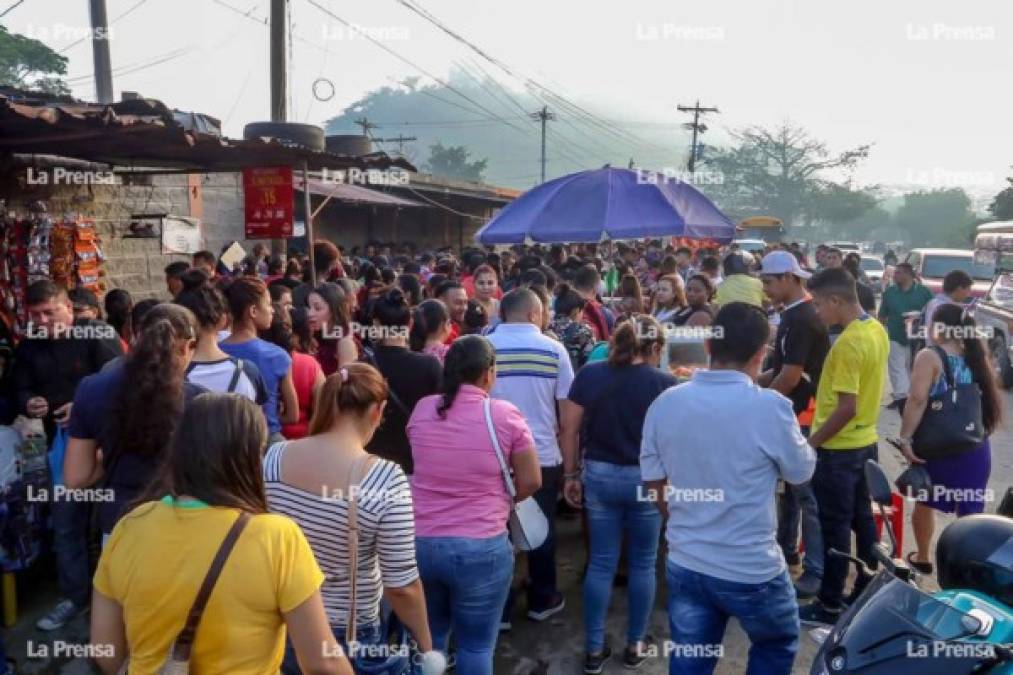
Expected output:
(114, 20)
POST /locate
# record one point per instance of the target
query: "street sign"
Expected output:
(270, 202)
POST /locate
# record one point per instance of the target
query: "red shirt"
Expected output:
(595, 318)
(455, 332)
(304, 374)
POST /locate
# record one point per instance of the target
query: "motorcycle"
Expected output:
(895, 628)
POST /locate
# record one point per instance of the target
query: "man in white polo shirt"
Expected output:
(533, 372)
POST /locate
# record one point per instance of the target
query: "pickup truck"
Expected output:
(994, 312)
(932, 264)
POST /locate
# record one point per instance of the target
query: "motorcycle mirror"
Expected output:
(879, 484)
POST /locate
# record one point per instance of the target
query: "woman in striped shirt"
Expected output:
(310, 481)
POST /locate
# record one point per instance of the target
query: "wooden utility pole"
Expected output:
(399, 139)
(544, 116)
(696, 126)
(100, 52)
(279, 90)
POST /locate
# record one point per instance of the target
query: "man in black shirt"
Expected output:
(410, 376)
(55, 354)
(800, 347)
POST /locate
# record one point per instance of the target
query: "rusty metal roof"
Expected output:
(344, 192)
(145, 133)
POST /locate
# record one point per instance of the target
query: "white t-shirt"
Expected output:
(222, 377)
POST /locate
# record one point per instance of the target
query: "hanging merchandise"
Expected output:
(36, 246)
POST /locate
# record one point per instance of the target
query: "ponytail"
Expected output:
(466, 362)
(635, 337)
(352, 389)
(149, 403)
(427, 318)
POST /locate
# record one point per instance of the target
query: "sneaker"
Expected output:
(555, 607)
(818, 614)
(595, 663)
(60, 616)
(807, 586)
(636, 655)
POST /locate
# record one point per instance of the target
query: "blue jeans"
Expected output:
(70, 543)
(610, 498)
(466, 582)
(842, 497)
(698, 610)
(370, 634)
(798, 505)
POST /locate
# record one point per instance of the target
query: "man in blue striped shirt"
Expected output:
(533, 372)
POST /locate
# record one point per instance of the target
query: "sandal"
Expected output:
(920, 567)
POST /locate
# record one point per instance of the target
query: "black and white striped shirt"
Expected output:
(386, 534)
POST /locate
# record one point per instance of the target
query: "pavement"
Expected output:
(554, 647)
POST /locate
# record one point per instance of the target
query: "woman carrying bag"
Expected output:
(953, 406)
(463, 504)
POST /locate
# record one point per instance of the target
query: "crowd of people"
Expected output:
(347, 440)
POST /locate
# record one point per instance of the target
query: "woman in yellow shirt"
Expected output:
(160, 552)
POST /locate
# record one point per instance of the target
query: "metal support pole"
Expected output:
(308, 210)
(100, 52)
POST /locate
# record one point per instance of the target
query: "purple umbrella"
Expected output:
(608, 203)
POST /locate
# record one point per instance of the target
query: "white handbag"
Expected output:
(529, 527)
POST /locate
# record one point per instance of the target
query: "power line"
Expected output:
(88, 37)
(413, 65)
(11, 8)
(697, 126)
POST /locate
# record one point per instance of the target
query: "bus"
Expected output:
(766, 228)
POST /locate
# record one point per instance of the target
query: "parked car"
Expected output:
(932, 264)
(874, 270)
(994, 312)
(753, 246)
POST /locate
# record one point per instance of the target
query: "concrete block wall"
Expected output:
(137, 265)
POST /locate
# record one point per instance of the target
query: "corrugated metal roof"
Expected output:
(145, 133)
(354, 193)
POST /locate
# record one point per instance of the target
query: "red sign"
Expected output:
(270, 202)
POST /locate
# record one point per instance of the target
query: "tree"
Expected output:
(937, 218)
(782, 172)
(27, 63)
(452, 162)
(1001, 207)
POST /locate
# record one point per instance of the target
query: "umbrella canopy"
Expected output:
(608, 203)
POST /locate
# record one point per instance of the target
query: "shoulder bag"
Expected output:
(528, 526)
(178, 662)
(951, 424)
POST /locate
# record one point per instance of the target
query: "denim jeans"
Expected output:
(842, 497)
(798, 505)
(613, 509)
(542, 561)
(466, 582)
(70, 543)
(698, 610)
(370, 634)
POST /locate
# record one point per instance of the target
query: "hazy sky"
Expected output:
(926, 81)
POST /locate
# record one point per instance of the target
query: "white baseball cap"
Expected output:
(782, 262)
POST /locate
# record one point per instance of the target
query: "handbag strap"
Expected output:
(507, 480)
(951, 379)
(184, 641)
(356, 476)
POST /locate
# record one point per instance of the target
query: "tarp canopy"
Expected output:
(608, 203)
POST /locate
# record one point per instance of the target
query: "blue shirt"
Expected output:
(722, 443)
(274, 364)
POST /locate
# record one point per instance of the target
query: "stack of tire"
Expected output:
(293, 134)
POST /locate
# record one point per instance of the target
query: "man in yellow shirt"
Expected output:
(844, 434)
(739, 285)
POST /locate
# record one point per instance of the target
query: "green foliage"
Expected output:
(782, 172)
(937, 218)
(29, 64)
(1001, 207)
(452, 162)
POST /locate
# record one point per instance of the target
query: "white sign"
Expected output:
(181, 235)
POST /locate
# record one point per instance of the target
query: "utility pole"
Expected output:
(544, 116)
(100, 51)
(696, 126)
(366, 126)
(279, 91)
(400, 140)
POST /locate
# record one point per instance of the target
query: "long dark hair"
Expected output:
(215, 455)
(207, 303)
(149, 404)
(118, 304)
(336, 300)
(426, 320)
(467, 361)
(978, 360)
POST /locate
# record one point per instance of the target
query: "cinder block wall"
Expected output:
(137, 265)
